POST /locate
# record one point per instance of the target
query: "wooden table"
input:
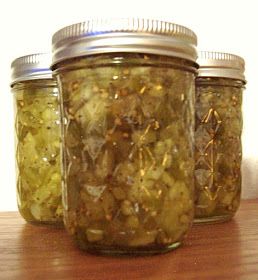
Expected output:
(222, 251)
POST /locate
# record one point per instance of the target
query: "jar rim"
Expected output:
(31, 67)
(222, 65)
(110, 35)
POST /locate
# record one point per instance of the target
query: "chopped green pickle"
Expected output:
(38, 151)
(128, 151)
(218, 153)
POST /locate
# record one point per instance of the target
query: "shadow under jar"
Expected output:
(37, 127)
(218, 128)
(127, 134)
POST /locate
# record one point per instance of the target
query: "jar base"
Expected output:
(127, 251)
(213, 219)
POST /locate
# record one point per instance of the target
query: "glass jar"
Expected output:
(37, 127)
(127, 105)
(218, 127)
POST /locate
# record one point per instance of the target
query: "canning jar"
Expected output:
(218, 128)
(127, 89)
(37, 127)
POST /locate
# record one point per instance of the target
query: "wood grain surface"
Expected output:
(222, 251)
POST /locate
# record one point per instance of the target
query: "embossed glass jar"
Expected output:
(37, 127)
(127, 89)
(218, 128)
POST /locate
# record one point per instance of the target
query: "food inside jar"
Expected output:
(128, 150)
(218, 148)
(38, 152)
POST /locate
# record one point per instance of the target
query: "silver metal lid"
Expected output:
(124, 35)
(217, 64)
(31, 67)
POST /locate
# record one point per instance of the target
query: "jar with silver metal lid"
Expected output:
(127, 90)
(218, 128)
(37, 127)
